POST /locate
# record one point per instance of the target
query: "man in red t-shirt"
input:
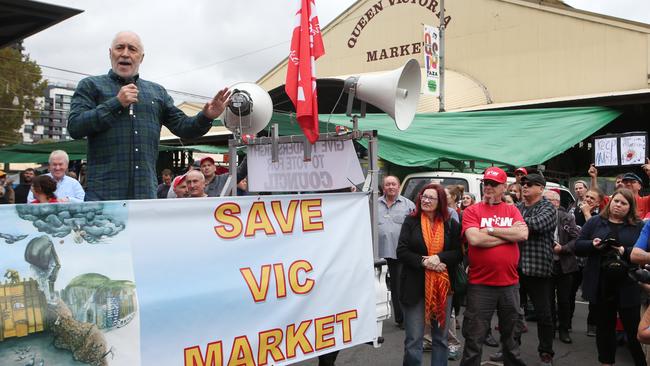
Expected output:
(492, 229)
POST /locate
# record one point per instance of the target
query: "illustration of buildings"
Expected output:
(95, 298)
(23, 308)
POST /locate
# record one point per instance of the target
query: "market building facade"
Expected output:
(499, 54)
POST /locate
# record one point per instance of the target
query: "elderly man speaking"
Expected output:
(121, 115)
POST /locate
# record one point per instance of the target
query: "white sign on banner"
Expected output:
(268, 280)
(606, 151)
(333, 165)
(633, 150)
(431, 60)
(253, 280)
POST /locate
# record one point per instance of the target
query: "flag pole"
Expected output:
(441, 95)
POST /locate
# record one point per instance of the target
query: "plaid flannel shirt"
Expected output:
(123, 149)
(537, 252)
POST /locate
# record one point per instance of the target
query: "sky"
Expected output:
(201, 46)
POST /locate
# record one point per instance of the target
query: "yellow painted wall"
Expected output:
(519, 50)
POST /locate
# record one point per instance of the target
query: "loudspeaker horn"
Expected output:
(395, 92)
(249, 110)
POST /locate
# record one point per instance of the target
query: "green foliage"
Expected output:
(20, 84)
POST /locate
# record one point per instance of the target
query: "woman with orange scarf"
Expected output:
(429, 248)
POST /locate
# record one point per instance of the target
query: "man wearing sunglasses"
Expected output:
(492, 229)
(536, 262)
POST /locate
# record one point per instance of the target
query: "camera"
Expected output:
(640, 274)
(608, 244)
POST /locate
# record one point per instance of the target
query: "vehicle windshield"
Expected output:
(413, 185)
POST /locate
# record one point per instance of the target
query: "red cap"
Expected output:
(178, 180)
(495, 174)
(522, 170)
(206, 158)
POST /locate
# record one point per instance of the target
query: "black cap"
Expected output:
(534, 179)
(632, 176)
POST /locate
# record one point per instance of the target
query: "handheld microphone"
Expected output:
(130, 81)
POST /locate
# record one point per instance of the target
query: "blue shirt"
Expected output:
(642, 241)
(67, 187)
(389, 221)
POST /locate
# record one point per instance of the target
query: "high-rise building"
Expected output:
(49, 120)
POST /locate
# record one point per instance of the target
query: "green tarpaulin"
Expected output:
(76, 149)
(208, 149)
(514, 137)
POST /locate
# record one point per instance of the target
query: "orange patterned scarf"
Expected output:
(436, 284)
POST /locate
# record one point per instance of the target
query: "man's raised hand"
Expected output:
(217, 105)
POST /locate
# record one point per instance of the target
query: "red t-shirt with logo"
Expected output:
(496, 266)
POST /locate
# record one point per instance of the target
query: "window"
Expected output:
(414, 185)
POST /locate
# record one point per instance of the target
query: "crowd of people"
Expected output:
(514, 251)
(61, 185)
(524, 256)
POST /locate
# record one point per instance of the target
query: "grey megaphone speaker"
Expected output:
(395, 92)
(249, 111)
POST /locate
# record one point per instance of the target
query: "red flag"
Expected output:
(306, 48)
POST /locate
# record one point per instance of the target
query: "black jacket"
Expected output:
(597, 227)
(568, 233)
(410, 250)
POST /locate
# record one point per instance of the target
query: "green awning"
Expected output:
(40, 153)
(509, 138)
(208, 149)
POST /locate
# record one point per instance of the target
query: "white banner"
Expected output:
(431, 60)
(334, 165)
(232, 280)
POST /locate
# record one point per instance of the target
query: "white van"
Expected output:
(471, 181)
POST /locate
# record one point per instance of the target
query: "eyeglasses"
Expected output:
(491, 183)
(428, 199)
(529, 184)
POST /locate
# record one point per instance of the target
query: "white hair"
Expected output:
(137, 37)
(195, 172)
(59, 153)
(551, 194)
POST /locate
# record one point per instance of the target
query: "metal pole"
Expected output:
(232, 183)
(374, 197)
(441, 97)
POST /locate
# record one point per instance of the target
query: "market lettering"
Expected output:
(260, 289)
(397, 51)
(496, 222)
(378, 7)
(277, 345)
(258, 218)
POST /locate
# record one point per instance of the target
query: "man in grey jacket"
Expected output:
(564, 267)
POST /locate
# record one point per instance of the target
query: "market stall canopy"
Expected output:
(508, 138)
(513, 138)
(76, 149)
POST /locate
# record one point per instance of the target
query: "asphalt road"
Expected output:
(581, 352)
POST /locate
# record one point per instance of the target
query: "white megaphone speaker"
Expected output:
(249, 111)
(395, 92)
